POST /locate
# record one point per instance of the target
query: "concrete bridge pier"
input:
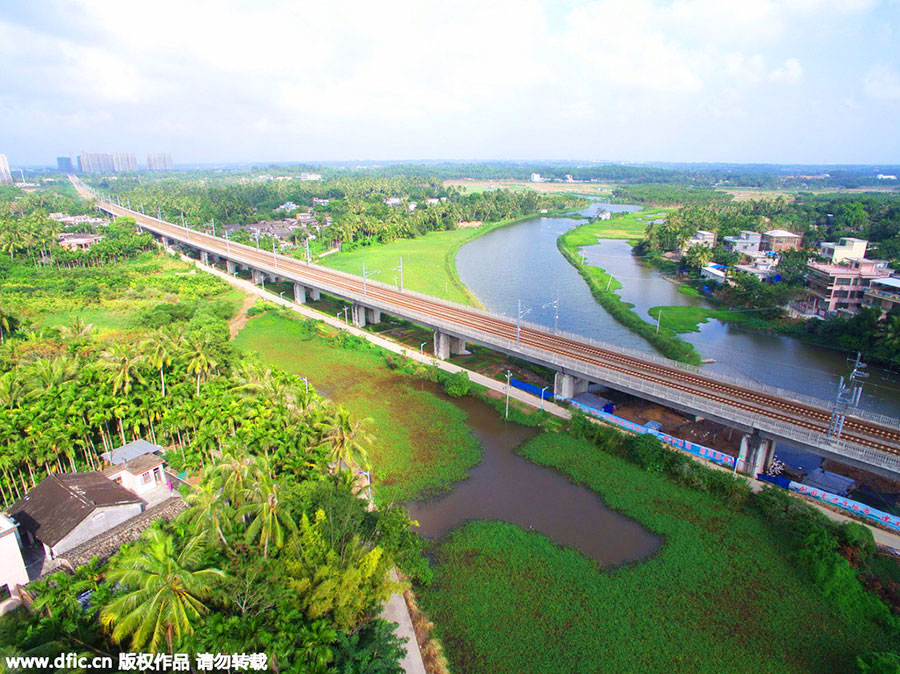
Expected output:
(204, 257)
(166, 241)
(258, 277)
(757, 453)
(568, 386)
(441, 345)
(230, 266)
(373, 315)
(314, 294)
(299, 294)
(458, 347)
(358, 315)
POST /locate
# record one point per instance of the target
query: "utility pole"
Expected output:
(848, 395)
(367, 274)
(214, 226)
(158, 213)
(658, 317)
(257, 238)
(400, 269)
(519, 317)
(555, 305)
(227, 242)
(307, 251)
(274, 254)
(508, 378)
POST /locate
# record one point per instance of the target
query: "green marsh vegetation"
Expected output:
(728, 591)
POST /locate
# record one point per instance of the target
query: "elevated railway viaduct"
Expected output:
(764, 414)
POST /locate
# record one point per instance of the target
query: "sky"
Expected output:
(768, 81)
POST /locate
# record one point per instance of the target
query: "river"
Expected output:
(522, 262)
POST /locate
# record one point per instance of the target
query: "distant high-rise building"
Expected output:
(5, 175)
(159, 161)
(96, 162)
(124, 161)
(64, 164)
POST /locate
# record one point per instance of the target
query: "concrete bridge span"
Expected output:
(868, 441)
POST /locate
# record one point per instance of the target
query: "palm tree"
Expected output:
(889, 332)
(348, 439)
(271, 517)
(160, 355)
(164, 592)
(200, 362)
(125, 364)
(208, 515)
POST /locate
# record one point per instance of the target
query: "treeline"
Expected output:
(670, 194)
(356, 211)
(874, 217)
(357, 220)
(55, 198)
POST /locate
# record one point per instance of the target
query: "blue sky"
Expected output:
(815, 81)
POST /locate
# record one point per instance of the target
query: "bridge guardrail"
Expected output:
(789, 431)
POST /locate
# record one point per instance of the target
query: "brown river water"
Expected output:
(508, 487)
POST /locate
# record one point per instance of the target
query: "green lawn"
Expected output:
(718, 597)
(429, 262)
(423, 442)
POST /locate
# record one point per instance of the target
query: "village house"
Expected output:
(777, 240)
(137, 466)
(12, 564)
(700, 238)
(883, 294)
(846, 247)
(745, 242)
(67, 509)
(717, 273)
(78, 241)
(839, 288)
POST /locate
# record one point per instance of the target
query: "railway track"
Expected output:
(859, 431)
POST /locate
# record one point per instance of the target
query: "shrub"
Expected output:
(456, 384)
(647, 451)
(878, 663)
(860, 539)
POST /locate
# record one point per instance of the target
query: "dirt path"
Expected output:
(240, 318)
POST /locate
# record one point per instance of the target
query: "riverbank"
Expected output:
(429, 261)
(506, 599)
(603, 286)
(720, 595)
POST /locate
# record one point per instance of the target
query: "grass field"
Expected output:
(683, 319)
(718, 597)
(627, 226)
(429, 262)
(423, 442)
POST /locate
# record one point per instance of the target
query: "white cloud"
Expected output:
(882, 82)
(790, 71)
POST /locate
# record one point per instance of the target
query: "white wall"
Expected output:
(12, 566)
(98, 522)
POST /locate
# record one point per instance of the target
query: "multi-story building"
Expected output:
(884, 294)
(745, 242)
(159, 161)
(778, 240)
(64, 164)
(833, 288)
(124, 161)
(700, 238)
(845, 248)
(96, 162)
(5, 175)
